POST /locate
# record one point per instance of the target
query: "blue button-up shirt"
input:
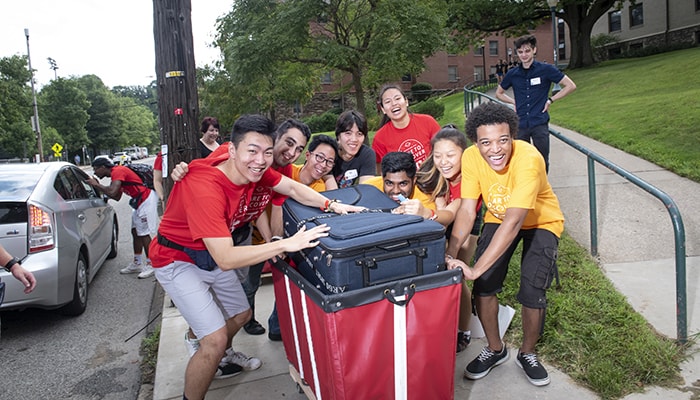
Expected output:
(531, 91)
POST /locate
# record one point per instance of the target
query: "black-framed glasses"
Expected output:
(321, 159)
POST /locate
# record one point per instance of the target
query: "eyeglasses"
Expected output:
(321, 159)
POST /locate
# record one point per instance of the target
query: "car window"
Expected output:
(69, 186)
(83, 177)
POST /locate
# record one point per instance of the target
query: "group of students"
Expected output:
(223, 220)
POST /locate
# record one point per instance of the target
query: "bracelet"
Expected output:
(11, 263)
(327, 205)
(433, 215)
(275, 238)
(551, 100)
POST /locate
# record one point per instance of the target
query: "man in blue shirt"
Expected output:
(531, 82)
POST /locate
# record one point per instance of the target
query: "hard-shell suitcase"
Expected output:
(368, 248)
(395, 340)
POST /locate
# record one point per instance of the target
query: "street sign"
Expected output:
(56, 149)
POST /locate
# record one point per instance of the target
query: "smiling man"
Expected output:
(510, 175)
(320, 159)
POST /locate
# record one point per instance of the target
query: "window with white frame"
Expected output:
(452, 73)
(493, 47)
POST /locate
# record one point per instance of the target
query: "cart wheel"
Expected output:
(299, 389)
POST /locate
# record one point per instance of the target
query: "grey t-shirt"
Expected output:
(348, 173)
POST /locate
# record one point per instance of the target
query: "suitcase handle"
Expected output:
(371, 262)
(405, 293)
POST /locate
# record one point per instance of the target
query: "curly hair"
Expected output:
(491, 113)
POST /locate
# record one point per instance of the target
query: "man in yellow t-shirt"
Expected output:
(511, 177)
(320, 159)
(398, 181)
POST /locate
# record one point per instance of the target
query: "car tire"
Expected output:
(115, 240)
(80, 289)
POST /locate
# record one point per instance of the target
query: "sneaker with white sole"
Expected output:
(534, 370)
(236, 357)
(192, 345)
(132, 268)
(227, 370)
(146, 271)
(484, 362)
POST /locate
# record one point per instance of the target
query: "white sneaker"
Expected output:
(191, 344)
(238, 358)
(146, 271)
(132, 268)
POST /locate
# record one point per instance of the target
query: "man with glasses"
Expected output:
(320, 159)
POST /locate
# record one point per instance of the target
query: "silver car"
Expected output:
(61, 229)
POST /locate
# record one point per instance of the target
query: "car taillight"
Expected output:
(40, 230)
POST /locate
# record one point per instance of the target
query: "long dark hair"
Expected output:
(430, 181)
(380, 106)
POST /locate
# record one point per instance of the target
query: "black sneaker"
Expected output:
(534, 370)
(463, 340)
(487, 359)
(227, 370)
(253, 327)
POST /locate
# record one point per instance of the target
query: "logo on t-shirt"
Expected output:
(497, 198)
(416, 148)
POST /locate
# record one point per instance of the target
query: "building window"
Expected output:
(493, 48)
(478, 73)
(636, 15)
(697, 5)
(615, 21)
(407, 78)
(452, 74)
(479, 51)
(327, 78)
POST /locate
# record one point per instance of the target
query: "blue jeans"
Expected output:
(273, 323)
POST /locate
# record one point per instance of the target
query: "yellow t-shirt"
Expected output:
(318, 185)
(522, 184)
(425, 199)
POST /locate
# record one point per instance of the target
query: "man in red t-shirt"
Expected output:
(144, 217)
(195, 257)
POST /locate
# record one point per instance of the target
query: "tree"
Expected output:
(373, 41)
(16, 136)
(476, 19)
(102, 124)
(136, 123)
(64, 107)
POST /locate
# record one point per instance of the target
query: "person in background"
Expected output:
(356, 160)
(511, 178)
(402, 130)
(440, 176)
(158, 181)
(531, 82)
(144, 216)
(210, 136)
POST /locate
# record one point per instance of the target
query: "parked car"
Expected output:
(121, 158)
(61, 229)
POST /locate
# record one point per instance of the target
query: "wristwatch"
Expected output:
(8, 266)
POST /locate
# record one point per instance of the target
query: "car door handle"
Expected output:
(81, 217)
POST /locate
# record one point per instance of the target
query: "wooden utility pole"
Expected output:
(178, 106)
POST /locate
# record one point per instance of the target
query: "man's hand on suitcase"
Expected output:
(467, 271)
(340, 208)
(305, 238)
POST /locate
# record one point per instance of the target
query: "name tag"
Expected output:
(535, 81)
(351, 174)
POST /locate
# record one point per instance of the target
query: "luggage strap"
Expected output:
(330, 215)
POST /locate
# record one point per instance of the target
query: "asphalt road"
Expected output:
(44, 355)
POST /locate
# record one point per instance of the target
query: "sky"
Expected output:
(110, 39)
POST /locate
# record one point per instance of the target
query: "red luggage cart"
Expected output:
(396, 340)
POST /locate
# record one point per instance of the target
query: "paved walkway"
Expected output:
(636, 251)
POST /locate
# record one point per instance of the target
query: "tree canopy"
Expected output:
(279, 50)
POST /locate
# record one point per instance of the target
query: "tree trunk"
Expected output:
(581, 18)
(178, 108)
(359, 91)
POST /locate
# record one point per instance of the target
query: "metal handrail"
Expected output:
(473, 98)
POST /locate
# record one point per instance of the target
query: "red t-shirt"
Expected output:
(204, 204)
(127, 176)
(158, 163)
(414, 138)
(456, 193)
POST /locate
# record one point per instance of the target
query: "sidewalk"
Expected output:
(636, 251)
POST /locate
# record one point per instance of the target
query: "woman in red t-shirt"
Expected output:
(401, 129)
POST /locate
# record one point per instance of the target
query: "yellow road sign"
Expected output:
(56, 148)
